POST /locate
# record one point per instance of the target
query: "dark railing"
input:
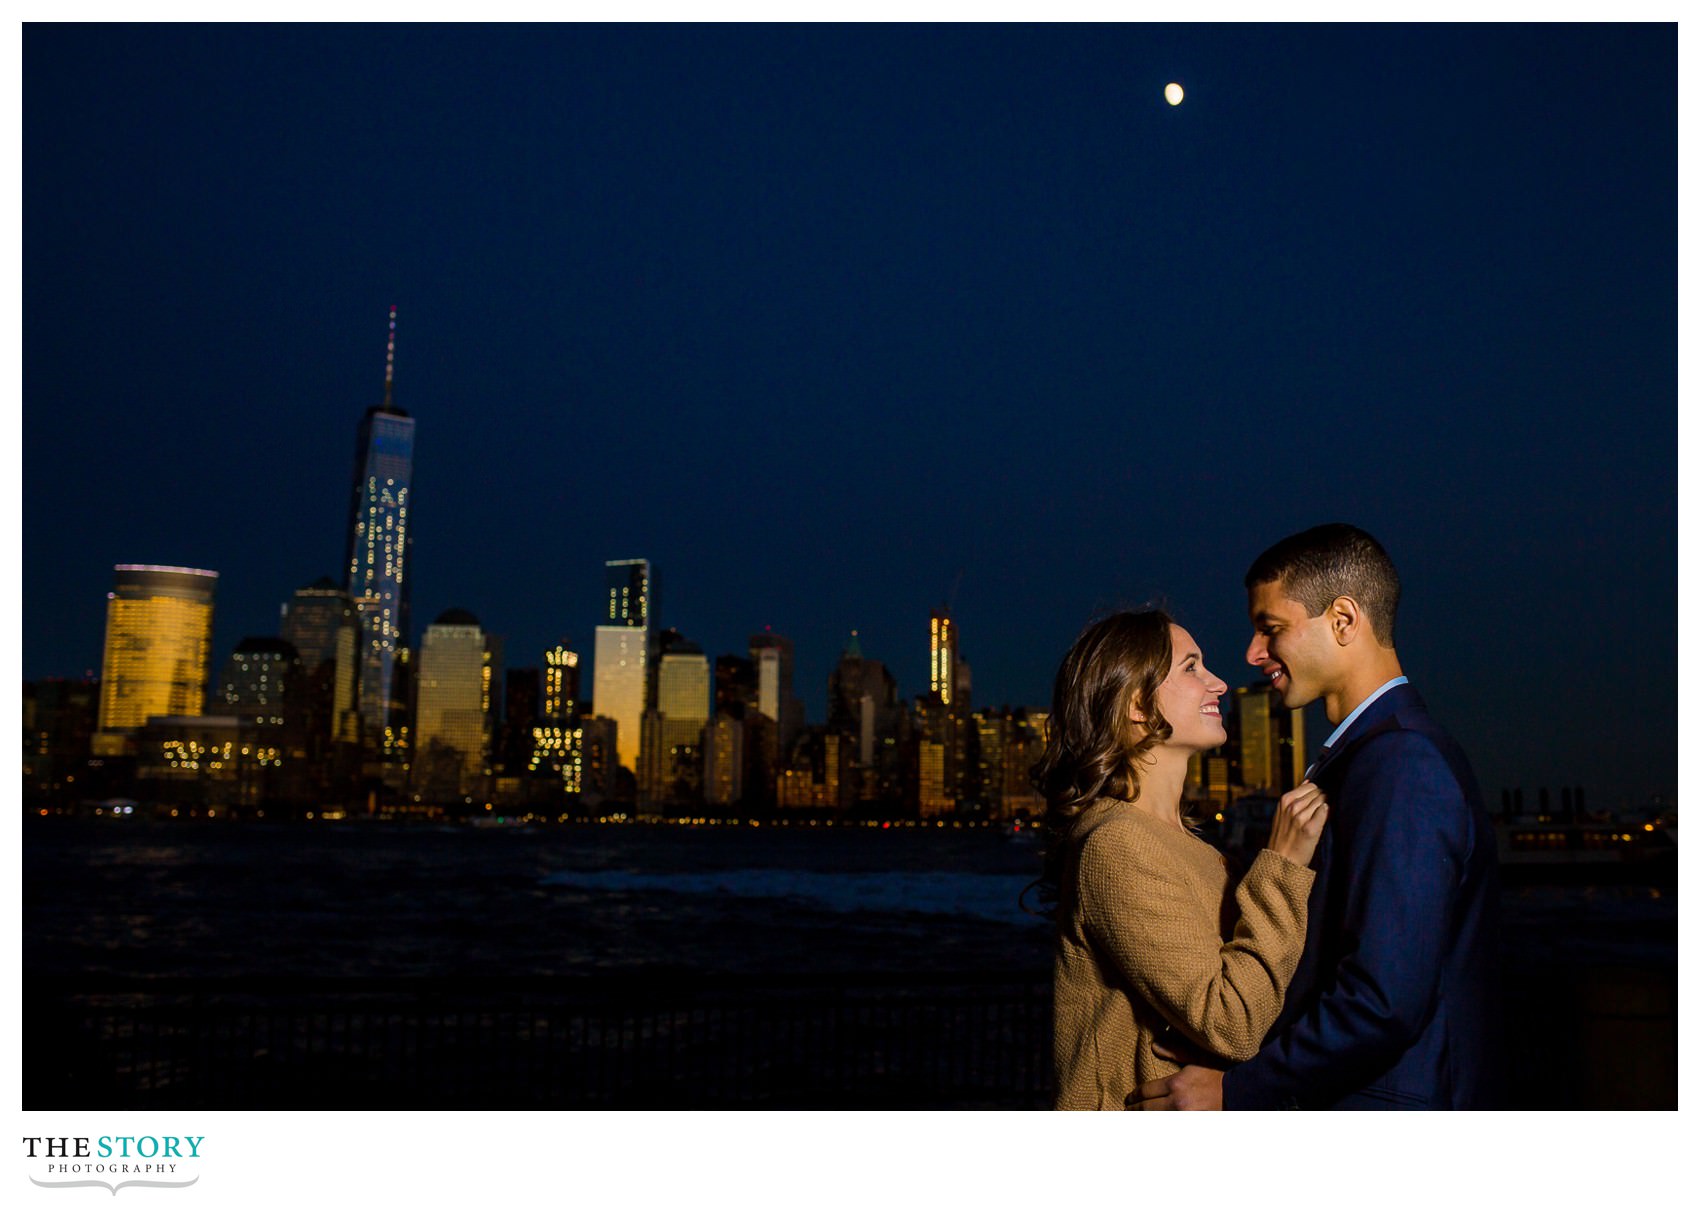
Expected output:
(1584, 1036)
(654, 1041)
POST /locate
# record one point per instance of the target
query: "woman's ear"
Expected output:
(1134, 713)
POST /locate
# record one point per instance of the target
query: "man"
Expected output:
(1395, 1002)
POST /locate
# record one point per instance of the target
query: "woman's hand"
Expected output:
(1298, 823)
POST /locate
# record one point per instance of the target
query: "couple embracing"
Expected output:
(1354, 965)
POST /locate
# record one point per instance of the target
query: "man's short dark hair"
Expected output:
(1318, 565)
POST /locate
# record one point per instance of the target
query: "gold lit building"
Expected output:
(624, 643)
(158, 639)
(942, 657)
(1266, 746)
(454, 699)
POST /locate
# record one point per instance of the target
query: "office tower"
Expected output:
(723, 760)
(454, 705)
(735, 687)
(522, 701)
(558, 737)
(379, 554)
(817, 777)
(942, 654)
(262, 680)
(600, 761)
(933, 792)
(321, 622)
(1265, 747)
(59, 725)
(861, 700)
(683, 691)
(624, 641)
(774, 663)
(684, 686)
(995, 730)
(1026, 745)
(158, 639)
(560, 683)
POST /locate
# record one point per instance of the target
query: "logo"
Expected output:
(114, 1162)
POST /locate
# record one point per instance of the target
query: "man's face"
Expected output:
(1296, 652)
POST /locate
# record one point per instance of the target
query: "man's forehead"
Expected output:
(1268, 599)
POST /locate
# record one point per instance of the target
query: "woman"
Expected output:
(1155, 943)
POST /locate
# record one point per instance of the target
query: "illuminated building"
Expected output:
(723, 760)
(935, 796)
(683, 689)
(942, 656)
(560, 683)
(215, 761)
(1026, 747)
(600, 762)
(380, 547)
(158, 640)
(59, 725)
(321, 622)
(559, 747)
(861, 700)
(1010, 743)
(620, 687)
(1266, 746)
(557, 736)
(672, 741)
(262, 681)
(818, 775)
(455, 664)
(774, 660)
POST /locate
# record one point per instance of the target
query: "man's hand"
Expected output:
(1194, 1088)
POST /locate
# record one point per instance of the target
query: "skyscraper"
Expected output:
(942, 656)
(684, 688)
(861, 699)
(723, 760)
(455, 660)
(320, 620)
(380, 544)
(262, 679)
(620, 687)
(560, 683)
(774, 661)
(158, 638)
(1266, 745)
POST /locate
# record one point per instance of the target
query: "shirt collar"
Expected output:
(1359, 709)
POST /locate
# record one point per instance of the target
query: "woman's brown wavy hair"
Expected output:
(1092, 747)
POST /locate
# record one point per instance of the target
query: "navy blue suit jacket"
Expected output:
(1395, 1003)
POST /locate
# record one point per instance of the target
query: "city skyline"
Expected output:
(835, 324)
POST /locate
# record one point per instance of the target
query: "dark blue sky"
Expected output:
(826, 321)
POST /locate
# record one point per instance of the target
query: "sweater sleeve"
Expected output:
(1138, 907)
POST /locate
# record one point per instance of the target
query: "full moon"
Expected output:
(1173, 94)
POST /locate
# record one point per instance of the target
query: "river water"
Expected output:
(133, 899)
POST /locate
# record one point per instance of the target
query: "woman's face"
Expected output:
(1190, 697)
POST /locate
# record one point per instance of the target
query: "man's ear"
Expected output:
(1346, 619)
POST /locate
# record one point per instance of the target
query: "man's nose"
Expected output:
(1257, 651)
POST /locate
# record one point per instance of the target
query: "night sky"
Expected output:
(834, 324)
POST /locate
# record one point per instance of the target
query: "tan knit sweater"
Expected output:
(1152, 932)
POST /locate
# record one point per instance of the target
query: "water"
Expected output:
(135, 899)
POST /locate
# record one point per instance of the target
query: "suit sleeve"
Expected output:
(1401, 838)
(1139, 909)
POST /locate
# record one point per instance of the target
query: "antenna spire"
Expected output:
(389, 364)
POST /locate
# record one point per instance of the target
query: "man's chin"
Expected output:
(1293, 697)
